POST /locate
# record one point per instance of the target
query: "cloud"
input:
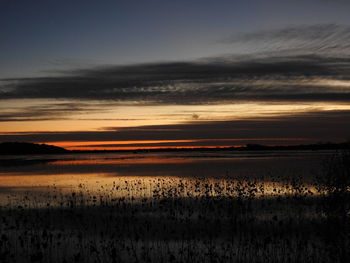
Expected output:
(312, 126)
(43, 112)
(209, 81)
(319, 38)
(295, 59)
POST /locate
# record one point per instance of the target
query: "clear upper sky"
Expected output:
(45, 35)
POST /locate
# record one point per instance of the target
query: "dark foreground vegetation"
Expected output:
(226, 220)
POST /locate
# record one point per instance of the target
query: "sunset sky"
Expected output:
(133, 74)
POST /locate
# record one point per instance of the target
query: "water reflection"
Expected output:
(145, 176)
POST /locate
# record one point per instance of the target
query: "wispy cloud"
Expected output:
(211, 81)
(43, 112)
(302, 63)
(319, 39)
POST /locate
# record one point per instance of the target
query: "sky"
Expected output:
(134, 74)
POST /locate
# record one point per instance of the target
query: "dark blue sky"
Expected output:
(41, 36)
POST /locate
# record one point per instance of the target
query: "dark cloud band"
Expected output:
(312, 126)
(259, 79)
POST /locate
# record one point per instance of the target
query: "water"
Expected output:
(168, 207)
(42, 176)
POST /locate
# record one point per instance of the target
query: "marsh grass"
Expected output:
(179, 220)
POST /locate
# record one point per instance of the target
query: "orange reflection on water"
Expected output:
(38, 190)
(127, 160)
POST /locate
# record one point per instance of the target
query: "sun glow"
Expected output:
(53, 117)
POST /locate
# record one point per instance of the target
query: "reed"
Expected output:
(179, 220)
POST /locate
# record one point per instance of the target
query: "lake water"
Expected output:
(135, 175)
(205, 206)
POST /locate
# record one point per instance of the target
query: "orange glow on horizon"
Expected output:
(147, 148)
(156, 144)
(77, 144)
